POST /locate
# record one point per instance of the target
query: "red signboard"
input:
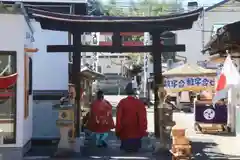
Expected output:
(128, 43)
(124, 33)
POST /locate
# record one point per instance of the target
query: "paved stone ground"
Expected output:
(90, 151)
(205, 147)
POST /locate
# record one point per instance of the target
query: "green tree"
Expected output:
(112, 9)
(136, 58)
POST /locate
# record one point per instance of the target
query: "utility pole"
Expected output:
(95, 41)
(122, 63)
(84, 56)
(203, 28)
(146, 57)
(146, 40)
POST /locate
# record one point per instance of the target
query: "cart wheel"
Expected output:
(197, 127)
(227, 129)
(224, 128)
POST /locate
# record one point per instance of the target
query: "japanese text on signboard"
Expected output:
(188, 82)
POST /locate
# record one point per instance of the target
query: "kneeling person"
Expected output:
(131, 123)
(100, 119)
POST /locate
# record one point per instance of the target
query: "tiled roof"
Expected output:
(216, 5)
(13, 9)
(16, 8)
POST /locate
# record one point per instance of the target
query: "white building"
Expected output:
(16, 118)
(113, 63)
(214, 17)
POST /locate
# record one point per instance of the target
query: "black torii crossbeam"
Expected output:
(78, 24)
(112, 49)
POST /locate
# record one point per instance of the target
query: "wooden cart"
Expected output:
(209, 119)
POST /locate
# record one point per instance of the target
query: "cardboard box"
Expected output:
(178, 132)
(183, 149)
(180, 141)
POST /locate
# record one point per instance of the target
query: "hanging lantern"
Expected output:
(8, 81)
(5, 83)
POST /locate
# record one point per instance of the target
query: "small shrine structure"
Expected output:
(88, 76)
(185, 81)
(189, 77)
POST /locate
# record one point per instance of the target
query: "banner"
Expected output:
(178, 84)
(207, 114)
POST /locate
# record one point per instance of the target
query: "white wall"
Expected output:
(195, 38)
(12, 38)
(192, 38)
(228, 13)
(50, 70)
(109, 65)
(45, 128)
(112, 65)
(28, 122)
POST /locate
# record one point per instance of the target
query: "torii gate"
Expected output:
(78, 24)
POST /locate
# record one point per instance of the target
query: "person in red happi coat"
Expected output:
(131, 123)
(100, 119)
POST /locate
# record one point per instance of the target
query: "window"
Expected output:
(70, 57)
(8, 98)
(99, 69)
(30, 76)
(215, 28)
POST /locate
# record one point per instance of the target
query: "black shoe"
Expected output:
(99, 146)
(131, 150)
(121, 148)
(104, 144)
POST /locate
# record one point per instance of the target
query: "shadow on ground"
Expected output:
(43, 150)
(201, 150)
(113, 151)
(90, 151)
(204, 150)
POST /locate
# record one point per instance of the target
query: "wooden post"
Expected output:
(76, 69)
(116, 40)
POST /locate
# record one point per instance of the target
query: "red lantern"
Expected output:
(8, 81)
(5, 83)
